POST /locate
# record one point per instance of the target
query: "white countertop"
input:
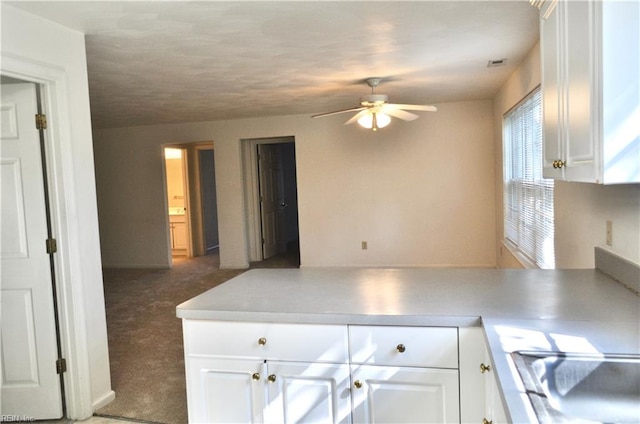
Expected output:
(559, 310)
(429, 296)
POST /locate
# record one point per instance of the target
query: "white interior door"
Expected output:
(30, 383)
(272, 202)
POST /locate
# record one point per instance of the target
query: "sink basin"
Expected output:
(573, 387)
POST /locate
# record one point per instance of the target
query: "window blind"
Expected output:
(528, 197)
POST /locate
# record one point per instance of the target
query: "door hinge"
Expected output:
(41, 121)
(52, 246)
(61, 365)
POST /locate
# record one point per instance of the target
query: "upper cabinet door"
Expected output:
(582, 142)
(551, 89)
(620, 79)
(591, 90)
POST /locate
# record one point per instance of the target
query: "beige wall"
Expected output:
(424, 193)
(420, 193)
(581, 210)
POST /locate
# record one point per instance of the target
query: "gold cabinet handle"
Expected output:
(358, 384)
(485, 368)
(557, 164)
(255, 376)
(262, 341)
(272, 378)
(486, 421)
(401, 348)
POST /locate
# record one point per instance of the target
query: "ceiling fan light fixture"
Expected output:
(375, 111)
(374, 120)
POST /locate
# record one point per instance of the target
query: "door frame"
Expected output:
(54, 94)
(193, 197)
(252, 191)
(186, 187)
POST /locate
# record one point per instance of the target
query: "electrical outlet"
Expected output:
(364, 245)
(609, 239)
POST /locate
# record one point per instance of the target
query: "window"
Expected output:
(528, 197)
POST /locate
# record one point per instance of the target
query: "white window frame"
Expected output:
(528, 197)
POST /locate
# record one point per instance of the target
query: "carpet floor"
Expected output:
(145, 337)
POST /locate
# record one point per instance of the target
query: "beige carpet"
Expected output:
(145, 337)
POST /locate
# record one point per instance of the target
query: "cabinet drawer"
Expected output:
(404, 346)
(287, 342)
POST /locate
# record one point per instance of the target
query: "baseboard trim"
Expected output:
(618, 268)
(103, 401)
(135, 266)
(392, 266)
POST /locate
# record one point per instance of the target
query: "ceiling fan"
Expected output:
(375, 111)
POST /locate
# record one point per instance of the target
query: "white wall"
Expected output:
(33, 47)
(420, 193)
(581, 210)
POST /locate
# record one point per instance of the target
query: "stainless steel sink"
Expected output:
(581, 387)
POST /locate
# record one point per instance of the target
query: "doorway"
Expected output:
(191, 200)
(271, 195)
(177, 192)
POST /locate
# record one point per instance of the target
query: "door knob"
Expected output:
(557, 164)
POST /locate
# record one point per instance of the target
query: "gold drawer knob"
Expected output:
(262, 341)
(358, 384)
(486, 421)
(557, 164)
(255, 376)
(272, 378)
(485, 368)
(401, 348)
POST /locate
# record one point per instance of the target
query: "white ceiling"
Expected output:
(163, 61)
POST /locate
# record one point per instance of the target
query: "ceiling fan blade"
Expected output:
(357, 116)
(426, 108)
(399, 113)
(352, 109)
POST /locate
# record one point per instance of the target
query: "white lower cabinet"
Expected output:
(308, 393)
(250, 391)
(480, 400)
(404, 395)
(297, 373)
(404, 374)
(225, 390)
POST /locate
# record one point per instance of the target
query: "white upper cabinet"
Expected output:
(591, 90)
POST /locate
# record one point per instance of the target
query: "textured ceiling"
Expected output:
(164, 62)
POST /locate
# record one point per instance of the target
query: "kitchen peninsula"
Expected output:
(353, 339)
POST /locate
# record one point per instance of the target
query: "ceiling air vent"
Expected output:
(496, 63)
